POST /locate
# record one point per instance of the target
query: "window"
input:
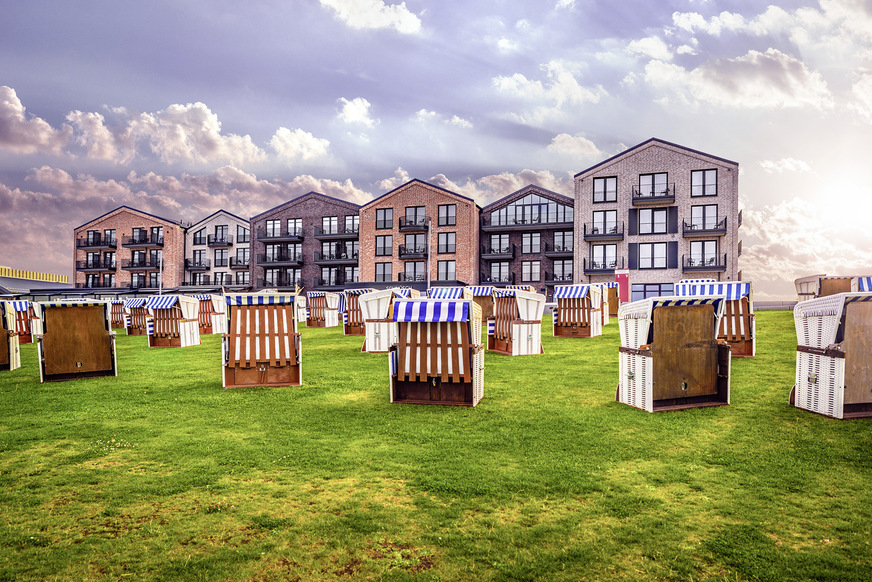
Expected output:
(93, 237)
(199, 259)
(447, 214)
(415, 244)
(704, 217)
(530, 242)
(383, 271)
(646, 290)
(653, 184)
(384, 218)
(500, 244)
(109, 260)
(352, 223)
(447, 242)
(293, 277)
(92, 260)
(272, 252)
(330, 250)
(605, 189)
(604, 256)
(242, 257)
(272, 277)
(108, 279)
(137, 280)
(445, 271)
(200, 237)
(704, 183)
(242, 278)
(273, 228)
(351, 274)
(563, 241)
(295, 252)
(703, 253)
(499, 272)
(352, 248)
(109, 236)
(329, 225)
(154, 257)
(199, 278)
(415, 216)
(157, 234)
(652, 221)
(529, 271)
(154, 279)
(384, 246)
(221, 232)
(652, 255)
(295, 226)
(563, 270)
(605, 222)
(532, 209)
(243, 234)
(415, 271)
(329, 276)
(138, 236)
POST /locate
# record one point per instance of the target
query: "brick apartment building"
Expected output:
(129, 248)
(661, 210)
(527, 238)
(310, 241)
(217, 251)
(419, 232)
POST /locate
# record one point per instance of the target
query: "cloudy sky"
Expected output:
(182, 108)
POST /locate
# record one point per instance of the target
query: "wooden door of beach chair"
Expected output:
(204, 315)
(23, 320)
(219, 315)
(77, 340)
(614, 300)
(262, 346)
(438, 358)
(578, 311)
(174, 321)
(352, 317)
(323, 309)
(10, 353)
(116, 313)
(483, 296)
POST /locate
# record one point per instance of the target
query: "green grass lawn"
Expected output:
(161, 474)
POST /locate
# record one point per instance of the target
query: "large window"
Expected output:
(703, 253)
(138, 235)
(243, 234)
(605, 222)
(109, 236)
(383, 271)
(416, 271)
(273, 228)
(652, 221)
(447, 242)
(499, 243)
(646, 290)
(154, 257)
(137, 280)
(563, 241)
(529, 271)
(294, 277)
(221, 232)
(352, 223)
(532, 209)
(154, 279)
(199, 259)
(704, 217)
(330, 250)
(604, 256)
(416, 243)
(108, 279)
(704, 183)
(653, 184)
(156, 234)
(499, 272)
(415, 216)
(384, 246)
(329, 224)
(330, 276)
(652, 255)
(351, 274)
(221, 259)
(384, 218)
(242, 256)
(531, 242)
(109, 260)
(272, 277)
(351, 249)
(447, 214)
(295, 226)
(563, 270)
(294, 251)
(92, 261)
(272, 252)
(200, 237)
(242, 278)
(605, 189)
(445, 270)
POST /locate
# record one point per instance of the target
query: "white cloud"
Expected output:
(399, 178)
(356, 111)
(427, 116)
(99, 141)
(506, 45)
(486, 189)
(785, 165)
(565, 4)
(652, 47)
(21, 135)
(861, 92)
(574, 145)
(375, 14)
(290, 145)
(459, 122)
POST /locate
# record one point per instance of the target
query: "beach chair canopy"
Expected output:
(571, 291)
(864, 284)
(251, 299)
(482, 291)
(402, 292)
(135, 302)
(732, 291)
(422, 310)
(161, 301)
(20, 305)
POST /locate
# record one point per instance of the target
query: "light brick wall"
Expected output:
(218, 219)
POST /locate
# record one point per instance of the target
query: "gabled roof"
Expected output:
(302, 197)
(124, 207)
(219, 212)
(508, 199)
(654, 140)
(423, 183)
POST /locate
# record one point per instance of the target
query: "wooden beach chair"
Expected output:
(349, 307)
(579, 311)
(516, 326)
(738, 325)
(323, 309)
(136, 316)
(77, 340)
(174, 321)
(10, 353)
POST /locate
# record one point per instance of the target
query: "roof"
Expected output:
(509, 198)
(423, 183)
(12, 285)
(245, 220)
(302, 197)
(654, 140)
(124, 207)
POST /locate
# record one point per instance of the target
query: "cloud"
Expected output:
(770, 80)
(375, 14)
(785, 165)
(652, 47)
(399, 178)
(427, 116)
(861, 92)
(21, 135)
(101, 142)
(290, 145)
(356, 111)
(565, 4)
(487, 189)
(574, 145)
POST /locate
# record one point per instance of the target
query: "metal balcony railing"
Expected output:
(416, 251)
(222, 240)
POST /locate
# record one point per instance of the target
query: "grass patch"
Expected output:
(161, 474)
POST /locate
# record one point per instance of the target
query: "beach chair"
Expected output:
(136, 316)
(861, 284)
(579, 311)
(212, 318)
(738, 325)
(117, 313)
(438, 357)
(77, 340)
(323, 309)
(261, 346)
(670, 357)
(833, 365)
(613, 298)
(376, 308)
(10, 353)
(174, 321)
(516, 326)
(483, 296)
(25, 321)
(349, 307)
(449, 293)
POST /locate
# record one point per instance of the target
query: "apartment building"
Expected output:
(663, 211)
(419, 233)
(129, 248)
(527, 238)
(310, 241)
(217, 251)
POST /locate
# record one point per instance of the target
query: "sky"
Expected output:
(182, 108)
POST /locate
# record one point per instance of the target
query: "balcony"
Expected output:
(140, 264)
(654, 195)
(411, 277)
(95, 243)
(560, 251)
(417, 223)
(704, 228)
(490, 253)
(239, 265)
(558, 279)
(142, 240)
(592, 267)
(280, 281)
(198, 264)
(220, 240)
(525, 224)
(95, 265)
(141, 284)
(412, 252)
(214, 281)
(280, 235)
(281, 260)
(706, 264)
(336, 233)
(507, 279)
(341, 258)
(600, 231)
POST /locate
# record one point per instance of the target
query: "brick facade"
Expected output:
(416, 194)
(685, 237)
(132, 258)
(217, 250)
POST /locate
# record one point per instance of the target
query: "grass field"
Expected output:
(160, 474)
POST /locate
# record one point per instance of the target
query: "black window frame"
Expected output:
(384, 218)
(605, 191)
(450, 218)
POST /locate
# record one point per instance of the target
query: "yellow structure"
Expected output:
(33, 275)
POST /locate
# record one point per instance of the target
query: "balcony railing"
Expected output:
(198, 264)
(142, 240)
(558, 278)
(600, 231)
(414, 223)
(96, 243)
(339, 257)
(219, 240)
(280, 281)
(94, 285)
(236, 263)
(408, 277)
(276, 235)
(513, 223)
(412, 252)
(338, 281)
(498, 252)
(219, 279)
(557, 251)
(287, 259)
(592, 266)
(704, 228)
(507, 279)
(654, 194)
(87, 265)
(140, 264)
(338, 231)
(707, 263)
